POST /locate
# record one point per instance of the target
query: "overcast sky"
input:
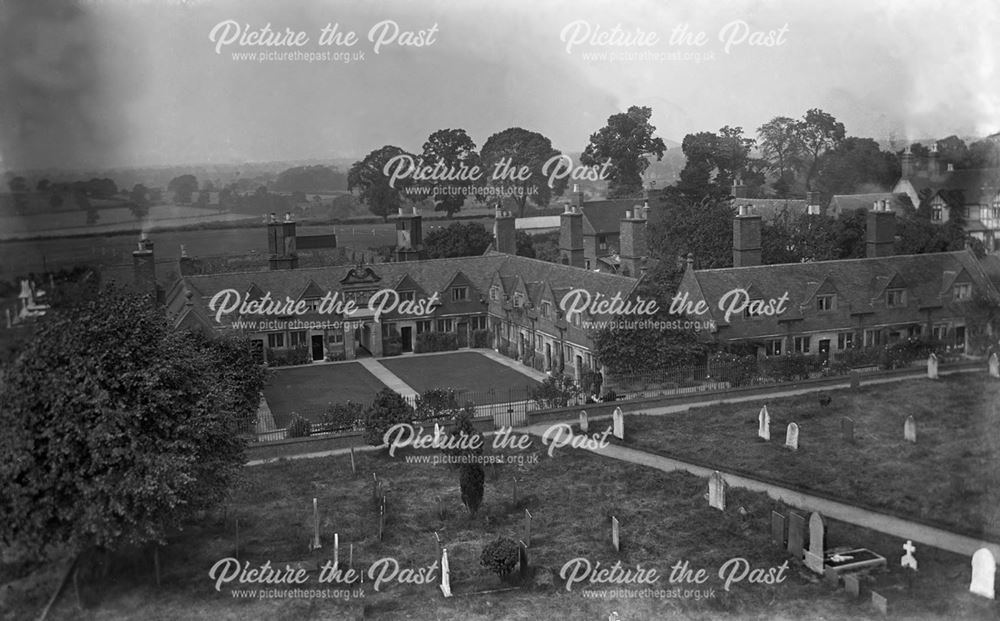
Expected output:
(139, 82)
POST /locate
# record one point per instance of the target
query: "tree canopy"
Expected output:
(455, 151)
(627, 140)
(457, 240)
(369, 178)
(517, 147)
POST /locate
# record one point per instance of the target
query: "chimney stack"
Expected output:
(812, 203)
(934, 164)
(746, 238)
(144, 268)
(906, 162)
(571, 236)
(632, 240)
(880, 231)
(577, 196)
(281, 245)
(185, 265)
(409, 235)
(504, 233)
(739, 190)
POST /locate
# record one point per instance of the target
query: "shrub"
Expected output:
(299, 355)
(436, 402)
(463, 430)
(472, 481)
(388, 409)
(554, 392)
(336, 357)
(435, 341)
(343, 416)
(500, 556)
(481, 338)
(299, 427)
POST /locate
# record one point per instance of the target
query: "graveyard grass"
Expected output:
(949, 477)
(461, 371)
(665, 519)
(309, 390)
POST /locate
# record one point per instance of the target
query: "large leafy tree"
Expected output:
(183, 188)
(714, 160)
(682, 225)
(369, 178)
(781, 144)
(456, 152)
(627, 140)
(457, 240)
(819, 132)
(519, 148)
(118, 428)
(857, 165)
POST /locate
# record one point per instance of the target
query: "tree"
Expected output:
(19, 190)
(457, 240)
(856, 165)
(626, 141)
(984, 154)
(731, 155)
(369, 178)
(139, 199)
(513, 149)
(696, 176)
(472, 482)
(500, 556)
(819, 132)
(454, 151)
(781, 144)
(953, 150)
(117, 428)
(703, 228)
(523, 244)
(388, 409)
(311, 179)
(183, 188)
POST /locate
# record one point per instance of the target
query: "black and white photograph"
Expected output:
(458, 309)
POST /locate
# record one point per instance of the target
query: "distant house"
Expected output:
(846, 204)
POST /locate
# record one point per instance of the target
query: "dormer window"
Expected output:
(546, 309)
(518, 300)
(495, 293)
(405, 296)
(312, 305)
(824, 302)
(895, 298)
(459, 294)
(963, 291)
(937, 209)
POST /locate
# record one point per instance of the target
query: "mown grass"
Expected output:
(665, 520)
(950, 476)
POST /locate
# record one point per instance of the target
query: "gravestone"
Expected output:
(615, 534)
(764, 424)
(792, 437)
(855, 381)
(910, 429)
(515, 491)
(522, 560)
(994, 365)
(777, 529)
(880, 603)
(584, 422)
(350, 556)
(618, 421)
(445, 576)
(796, 534)
(354, 466)
(336, 549)
(932, 367)
(831, 576)
(315, 543)
(908, 559)
(852, 585)
(717, 491)
(847, 428)
(437, 434)
(527, 527)
(817, 532)
(381, 519)
(984, 568)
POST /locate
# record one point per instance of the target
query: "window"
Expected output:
(459, 294)
(963, 291)
(894, 298)
(518, 300)
(546, 309)
(297, 338)
(802, 344)
(423, 326)
(586, 264)
(312, 305)
(495, 293)
(939, 331)
(336, 338)
(276, 339)
(824, 302)
(386, 330)
(406, 296)
(445, 325)
(845, 340)
(602, 242)
(773, 348)
(873, 338)
(478, 323)
(937, 209)
(746, 311)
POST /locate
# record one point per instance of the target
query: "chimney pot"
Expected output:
(628, 214)
(288, 217)
(274, 218)
(415, 210)
(951, 167)
(400, 211)
(576, 187)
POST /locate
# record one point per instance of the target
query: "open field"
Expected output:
(665, 520)
(308, 390)
(950, 476)
(485, 380)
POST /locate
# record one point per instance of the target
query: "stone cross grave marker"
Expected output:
(615, 534)
(764, 424)
(717, 491)
(984, 568)
(777, 529)
(527, 527)
(796, 534)
(908, 560)
(618, 420)
(792, 437)
(994, 365)
(852, 585)
(814, 555)
(910, 429)
(445, 576)
(932, 367)
(847, 428)
(315, 542)
(584, 422)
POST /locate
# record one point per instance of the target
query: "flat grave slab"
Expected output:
(852, 560)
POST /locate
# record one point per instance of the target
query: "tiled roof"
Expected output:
(770, 209)
(846, 203)
(978, 185)
(603, 217)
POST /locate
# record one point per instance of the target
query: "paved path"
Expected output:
(523, 369)
(388, 378)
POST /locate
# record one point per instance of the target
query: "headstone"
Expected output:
(764, 424)
(796, 534)
(910, 429)
(994, 365)
(350, 556)
(717, 491)
(515, 491)
(522, 560)
(792, 437)
(437, 434)
(777, 529)
(618, 420)
(847, 428)
(445, 577)
(315, 543)
(615, 534)
(381, 519)
(817, 532)
(336, 549)
(880, 603)
(852, 585)
(908, 559)
(932, 367)
(527, 527)
(831, 576)
(354, 466)
(584, 422)
(614, 616)
(855, 381)
(984, 568)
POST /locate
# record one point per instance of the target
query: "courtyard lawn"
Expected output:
(308, 390)
(664, 519)
(950, 476)
(483, 380)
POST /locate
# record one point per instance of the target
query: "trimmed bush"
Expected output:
(388, 409)
(299, 427)
(435, 341)
(344, 416)
(500, 556)
(472, 480)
